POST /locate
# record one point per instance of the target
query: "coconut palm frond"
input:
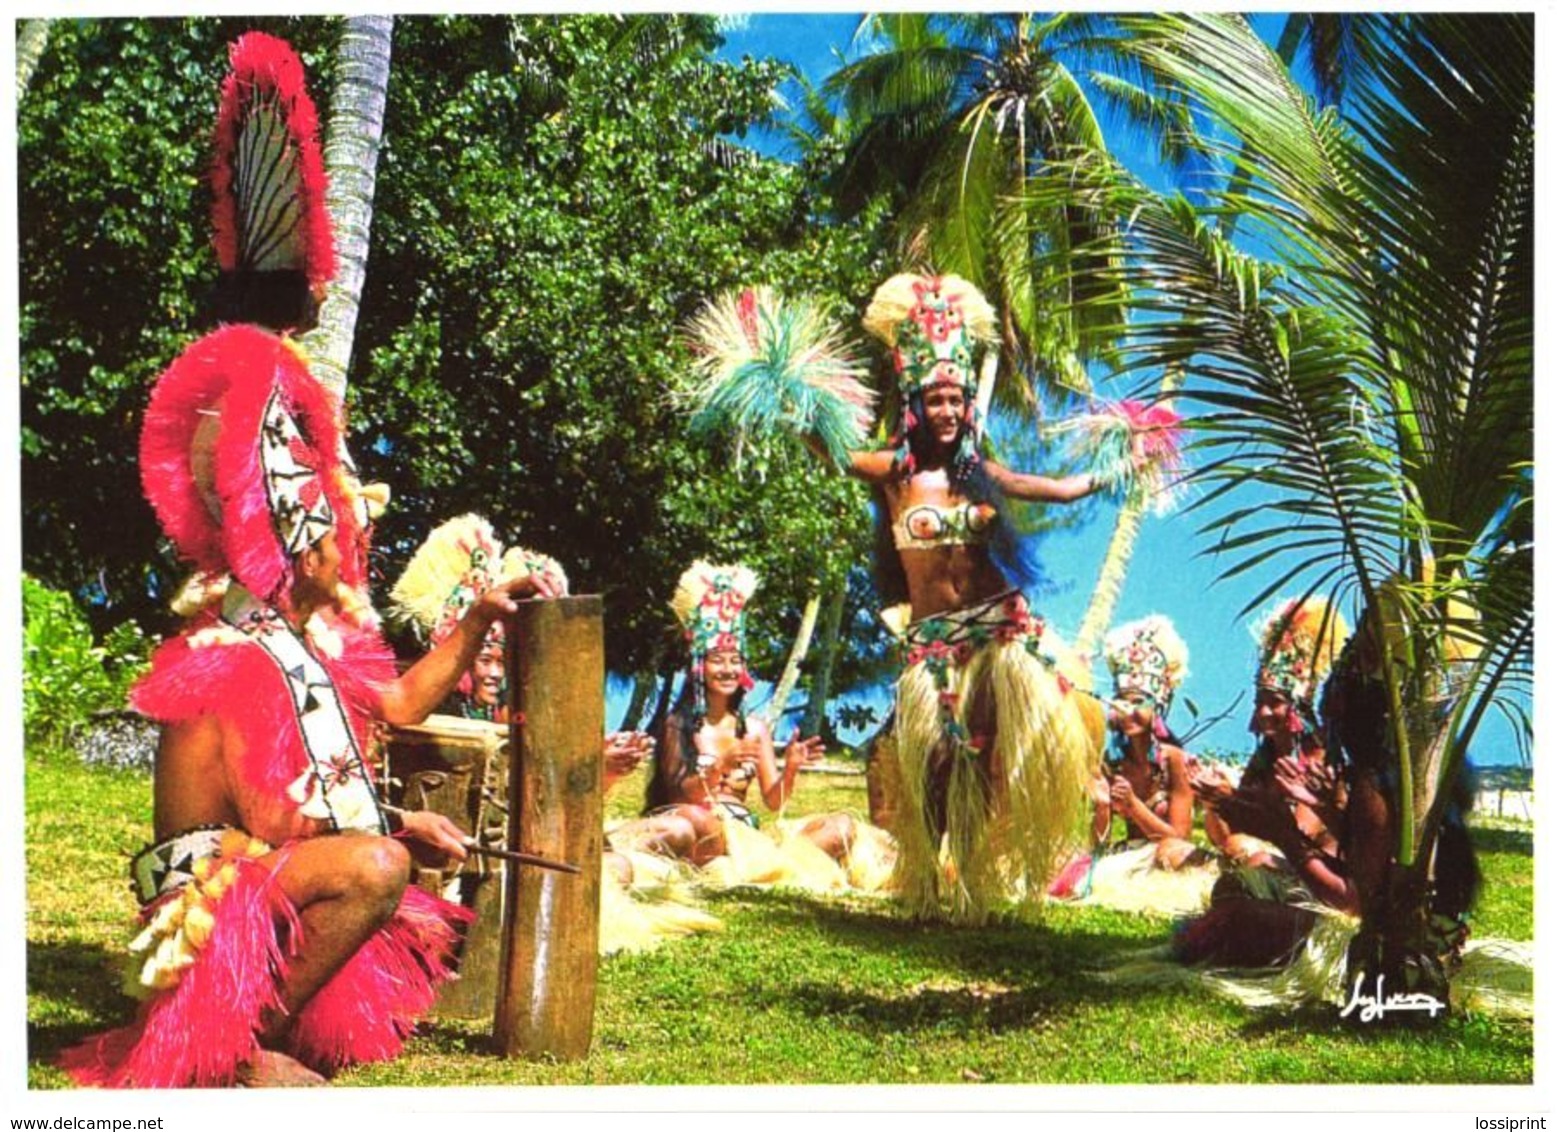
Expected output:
(900, 81)
(1338, 49)
(1281, 392)
(1458, 323)
(1167, 121)
(1281, 147)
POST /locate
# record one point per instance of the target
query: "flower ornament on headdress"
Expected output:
(268, 175)
(459, 561)
(1298, 642)
(934, 325)
(1147, 656)
(769, 364)
(710, 602)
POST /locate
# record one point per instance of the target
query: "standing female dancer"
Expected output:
(993, 744)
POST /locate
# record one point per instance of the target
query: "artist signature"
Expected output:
(1375, 1006)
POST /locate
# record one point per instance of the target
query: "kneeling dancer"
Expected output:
(278, 930)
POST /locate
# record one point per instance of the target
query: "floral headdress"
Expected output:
(459, 561)
(1298, 642)
(934, 325)
(1147, 656)
(710, 602)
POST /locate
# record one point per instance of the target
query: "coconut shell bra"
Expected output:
(928, 525)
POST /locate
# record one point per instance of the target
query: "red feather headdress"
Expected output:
(241, 460)
(268, 173)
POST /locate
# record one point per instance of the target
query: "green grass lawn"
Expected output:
(800, 989)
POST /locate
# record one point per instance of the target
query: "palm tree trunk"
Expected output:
(644, 683)
(797, 654)
(31, 38)
(821, 684)
(1110, 579)
(1116, 563)
(355, 132)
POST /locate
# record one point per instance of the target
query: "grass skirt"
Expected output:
(1128, 879)
(994, 748)
(657, 906)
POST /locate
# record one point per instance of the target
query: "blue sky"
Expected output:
(1171, 572)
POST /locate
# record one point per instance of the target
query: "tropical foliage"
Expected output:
(531, 263)
(1365, 351)
(951, 116)
(66, 674)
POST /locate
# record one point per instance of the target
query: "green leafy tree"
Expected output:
(554, 197)
(115, 268)
(534, 259)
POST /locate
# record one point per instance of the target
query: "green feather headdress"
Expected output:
(767, 364)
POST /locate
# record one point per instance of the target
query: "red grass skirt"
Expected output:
(198, 1032)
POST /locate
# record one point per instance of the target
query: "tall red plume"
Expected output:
(262, 64)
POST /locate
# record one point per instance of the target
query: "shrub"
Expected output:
(66, 676)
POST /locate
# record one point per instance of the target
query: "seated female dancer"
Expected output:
(711, 750)
(1147, 784)
(991, 748)
(459, 561)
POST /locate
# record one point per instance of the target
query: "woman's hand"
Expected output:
(802, 752)
(1211, 786)
(1098, 791)
(624, 750)
(1122, 796)
(433, 839)
(740, 761)
(1292, 780)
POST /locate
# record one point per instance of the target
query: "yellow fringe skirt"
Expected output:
(995, 739)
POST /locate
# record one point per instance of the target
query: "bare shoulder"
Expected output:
(190, 744)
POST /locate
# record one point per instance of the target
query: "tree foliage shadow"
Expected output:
(1017, 970)
(1007, 942)
(86, 976)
